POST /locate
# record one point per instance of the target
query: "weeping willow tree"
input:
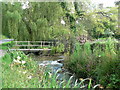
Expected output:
(34, 23)
(11, 19)
(23, 32)
(40, 21)
(14, 19)
(41, 18)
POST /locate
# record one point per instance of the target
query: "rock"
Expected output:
(60, 60)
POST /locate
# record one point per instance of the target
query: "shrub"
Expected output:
(102, 63)
(81, 61)
(108, 69)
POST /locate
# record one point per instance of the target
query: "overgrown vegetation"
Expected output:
(76, 25)
(100, 63)
(6, 45)
(58, 20)
(19, 71)
(2, 37)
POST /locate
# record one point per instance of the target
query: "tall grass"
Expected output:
(101, 63)
(19, 71)
(16, 74)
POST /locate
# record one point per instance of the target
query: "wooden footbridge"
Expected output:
(34, 45)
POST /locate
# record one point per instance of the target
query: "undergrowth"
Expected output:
(19, 71)
(101, 63)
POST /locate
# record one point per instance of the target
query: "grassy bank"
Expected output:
(101, 63)
(6, 45)
(19, 71)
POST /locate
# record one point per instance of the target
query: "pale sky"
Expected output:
(106, 3)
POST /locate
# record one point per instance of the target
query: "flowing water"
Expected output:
(53, 64)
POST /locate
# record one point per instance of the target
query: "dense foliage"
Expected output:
(51, 20)
(19, 71)
(100, 62)
(75, 25)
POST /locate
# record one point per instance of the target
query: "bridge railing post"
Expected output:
(16, 42)
(28, 42)
(41, 43)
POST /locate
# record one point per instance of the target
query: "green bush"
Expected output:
(108, 73)
(7, 45)
(102, 63)
(81, 61)
(60, 48)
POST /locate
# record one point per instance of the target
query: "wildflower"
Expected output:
(99, 55)
(77, 22)
(23, 62)
(24, 72)
(29, 77)
(14, 60)
(19, 71)
(72, 11)
(18, 57)
(62, 22)
(17, 61)
(81, 79)
(101, 87)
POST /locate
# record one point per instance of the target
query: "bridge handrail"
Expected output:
(34, 41)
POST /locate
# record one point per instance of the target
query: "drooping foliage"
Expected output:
(42, 21)
(37, 22)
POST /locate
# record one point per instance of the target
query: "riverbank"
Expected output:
(19, 71)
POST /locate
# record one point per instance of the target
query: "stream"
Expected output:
(54, 64)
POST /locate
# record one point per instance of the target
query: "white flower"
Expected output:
(62, 22)
(23, 62)
(72, 11)
(18, 57)
(99, 55)
(24, 72)
(77, 22)
(16, 61)
(29, 77)
(19, 71)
